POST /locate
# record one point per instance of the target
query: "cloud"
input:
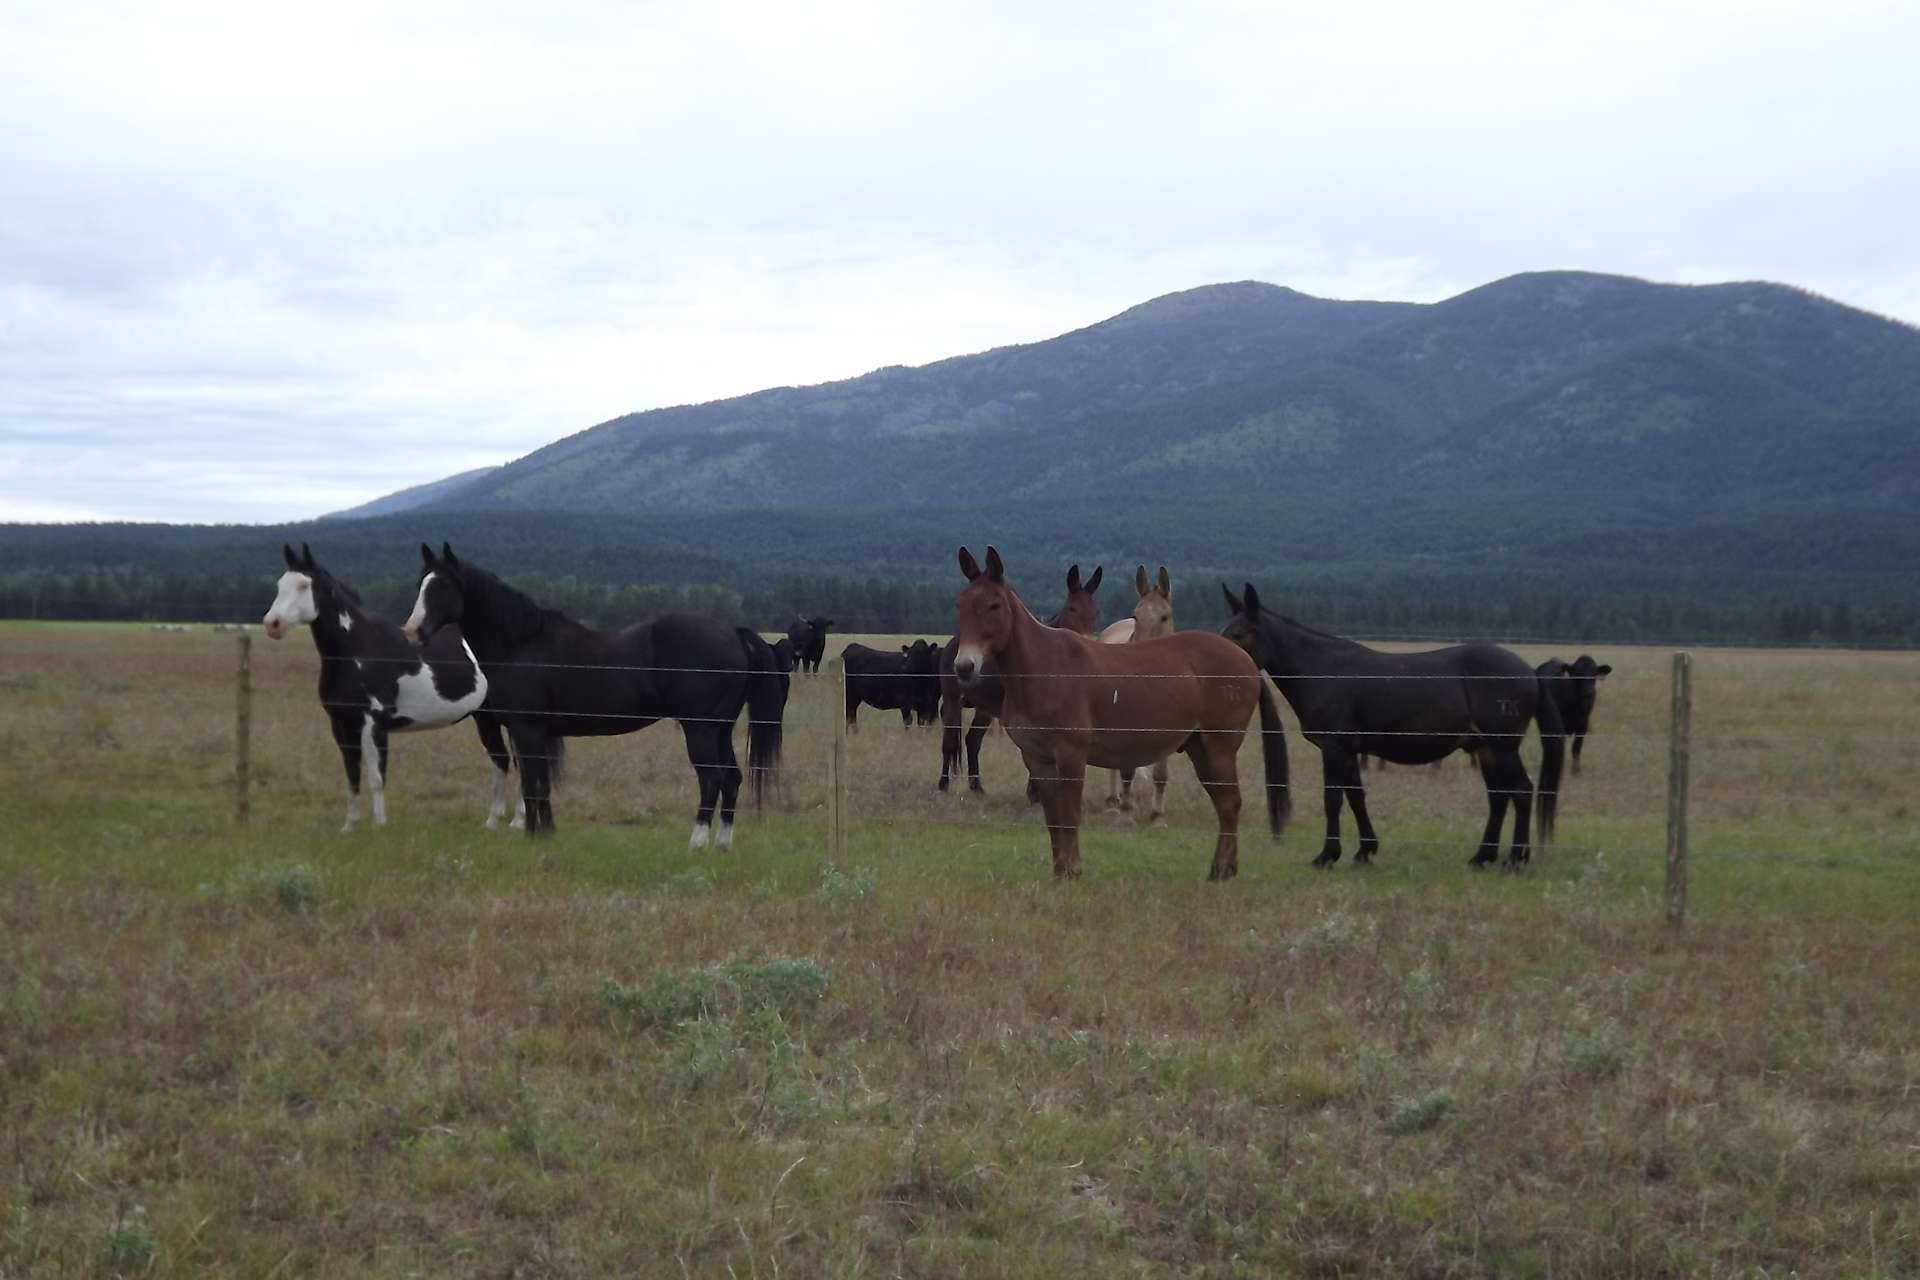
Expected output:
(259, 262)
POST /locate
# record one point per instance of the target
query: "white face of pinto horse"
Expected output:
(293, 606)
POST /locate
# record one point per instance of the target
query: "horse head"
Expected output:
(441, 599)
(295, 602)
(986, 606)
(1081, 612)
(1153, 615)
(1243, 627)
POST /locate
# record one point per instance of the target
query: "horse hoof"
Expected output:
(1158, 822)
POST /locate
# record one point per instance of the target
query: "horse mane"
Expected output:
(337, 584)
(513, 612)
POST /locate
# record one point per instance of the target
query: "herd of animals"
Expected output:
(1069, 695)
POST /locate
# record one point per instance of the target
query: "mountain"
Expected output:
(420, 495)
(1556, 453)
(1535, 412)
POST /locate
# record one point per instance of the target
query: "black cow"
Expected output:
(892, 681)
(1574, 686)
(809, 637)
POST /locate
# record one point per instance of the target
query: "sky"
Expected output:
(262, 262)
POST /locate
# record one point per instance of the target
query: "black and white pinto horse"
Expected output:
(1409, 708)
(552, 678)
(374, 682)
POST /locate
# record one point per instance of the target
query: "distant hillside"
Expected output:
(419, 495)
(1521, 411)
(1557, 452)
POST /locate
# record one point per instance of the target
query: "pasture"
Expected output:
(432, 1049)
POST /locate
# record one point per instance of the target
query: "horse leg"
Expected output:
(976, 734)
(496, 748)
(1339, 771)
(1356, 792)
(1491, 773)
(1214, 764)
(706, 770)
(1068, 787)
(1158, 817)
(1519, 788)
(346, 735)
(729, 784)
(532, 746)
(373, 747)
(950, 713)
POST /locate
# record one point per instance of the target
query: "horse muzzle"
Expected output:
(274, 628)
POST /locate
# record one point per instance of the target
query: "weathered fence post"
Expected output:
(1678, 777)
(837, 767)
(243, 730)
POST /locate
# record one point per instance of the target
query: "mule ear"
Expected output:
(1093, 583)
(1166, 583)
(1073, 578)
(1140, 580)
(306, 555)
(446, 553)
(968, 565)
(1252, 598)
(1602, 671)
(996, 568)
(293, 561)
(1233, 605)
(426, 555)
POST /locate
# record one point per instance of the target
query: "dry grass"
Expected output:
(434, 1050)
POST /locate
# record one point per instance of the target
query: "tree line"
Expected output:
(1437, 605)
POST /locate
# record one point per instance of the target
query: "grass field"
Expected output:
(433, 1050)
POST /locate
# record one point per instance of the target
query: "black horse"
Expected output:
(1575, 686)
(553, 678)
(809, 639)
(1409, 708)
(373, 682)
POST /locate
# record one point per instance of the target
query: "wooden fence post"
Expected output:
(837, 767)
(243, 731)
(1678, 779)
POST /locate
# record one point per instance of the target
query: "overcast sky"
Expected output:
(260, 262)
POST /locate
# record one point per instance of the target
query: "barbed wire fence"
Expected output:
(851, 795)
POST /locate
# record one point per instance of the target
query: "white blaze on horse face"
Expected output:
(418, 618)
(292, 605)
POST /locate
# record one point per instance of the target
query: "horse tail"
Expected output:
(1273, 748)
(1553, 752)
(766, 706)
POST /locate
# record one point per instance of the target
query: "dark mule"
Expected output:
(1080, 613)
(1574, 686)
(1068, 703)
(900, 681)
(554, 678)
(809, 639)
(373, 682)
(1409, 708)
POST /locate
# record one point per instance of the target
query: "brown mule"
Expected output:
(1069, 702)
(1080, 613)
